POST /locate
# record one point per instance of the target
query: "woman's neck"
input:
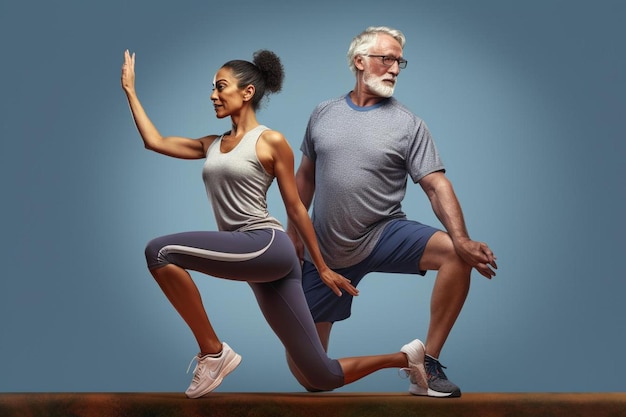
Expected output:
(243, 123)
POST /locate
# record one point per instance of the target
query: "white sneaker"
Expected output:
(417, 373)
(210, 372)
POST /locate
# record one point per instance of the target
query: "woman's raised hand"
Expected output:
(128, 72)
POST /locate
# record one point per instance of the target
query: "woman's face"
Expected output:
(227, 97)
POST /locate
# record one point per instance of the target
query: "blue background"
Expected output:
(526, 101)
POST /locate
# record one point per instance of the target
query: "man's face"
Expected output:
(379, 78)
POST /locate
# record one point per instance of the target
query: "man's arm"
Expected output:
(448, 210)
(305, 182)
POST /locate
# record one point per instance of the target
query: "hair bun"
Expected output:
(272, 69)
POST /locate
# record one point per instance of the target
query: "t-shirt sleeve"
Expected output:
(307, 147)
(422, 156)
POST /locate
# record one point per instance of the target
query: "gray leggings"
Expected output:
(267, 261)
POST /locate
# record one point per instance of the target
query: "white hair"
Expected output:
(362, 43)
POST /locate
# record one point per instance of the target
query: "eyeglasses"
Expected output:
(389, 60)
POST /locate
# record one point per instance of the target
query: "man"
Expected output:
(357, 153)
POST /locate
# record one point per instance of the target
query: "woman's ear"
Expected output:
(248, 92)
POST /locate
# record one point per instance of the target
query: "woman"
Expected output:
(250, 245)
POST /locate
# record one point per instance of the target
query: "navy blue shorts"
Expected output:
(398, 250)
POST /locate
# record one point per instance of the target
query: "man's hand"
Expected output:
(337, 282)
(478, 255)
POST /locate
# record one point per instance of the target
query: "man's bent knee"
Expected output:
(438, 252)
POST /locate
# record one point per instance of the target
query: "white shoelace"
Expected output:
(196, 371)
(404, 372)
(195, 358)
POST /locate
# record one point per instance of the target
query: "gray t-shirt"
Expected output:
(362, 158)
(237, 184)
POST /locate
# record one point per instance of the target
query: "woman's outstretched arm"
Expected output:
(175, 146)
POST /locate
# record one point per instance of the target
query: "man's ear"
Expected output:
(358, 62)
(248, 92)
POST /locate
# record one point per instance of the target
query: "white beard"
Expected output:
(378, 87)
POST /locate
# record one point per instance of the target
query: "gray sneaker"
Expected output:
(438, 383)
(415, 355)
(210, 372)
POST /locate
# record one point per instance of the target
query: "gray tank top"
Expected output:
(237, 184)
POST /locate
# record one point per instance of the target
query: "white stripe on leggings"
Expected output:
(214, 255)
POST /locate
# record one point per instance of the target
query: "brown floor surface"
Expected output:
(311, 405)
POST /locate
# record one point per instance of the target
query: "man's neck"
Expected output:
(363, 99)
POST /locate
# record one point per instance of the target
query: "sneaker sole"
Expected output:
(227, 369)
(415, 389)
